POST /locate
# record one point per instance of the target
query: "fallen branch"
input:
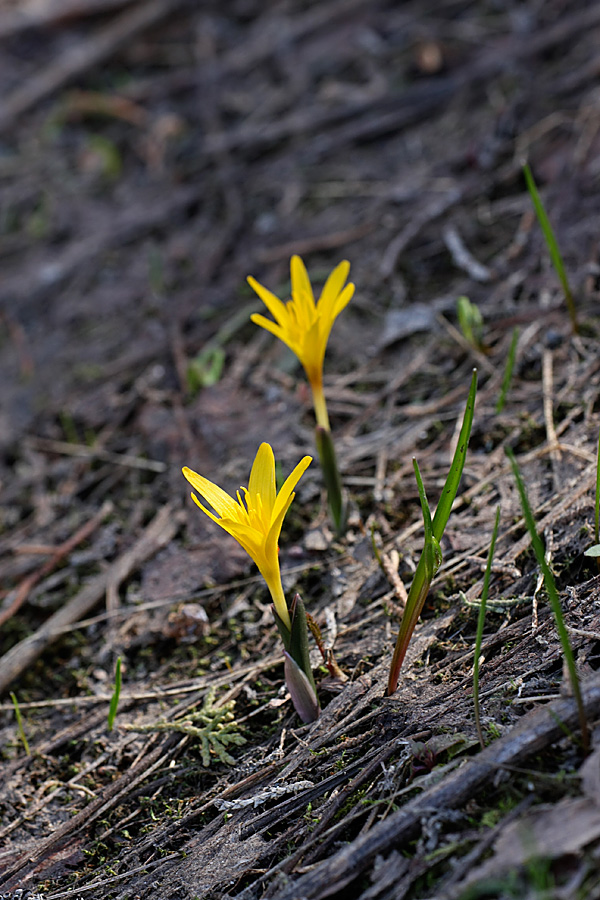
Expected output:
(161, 530)
(37, 15)
(58, 554)
(82, 57)
(112, 794)
(535, 731)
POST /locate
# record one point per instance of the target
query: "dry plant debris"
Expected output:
(152, 154)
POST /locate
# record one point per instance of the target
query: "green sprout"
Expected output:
(205, 369)
(554, 600)
(552, 244)
(597, 508)
(430, 559)
(508, 370)
(594, 551)
(480, 624)
(114, 701)
(331, 477)
(19, 719)
(470, 321)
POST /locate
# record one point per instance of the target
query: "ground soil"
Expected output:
(152, 155)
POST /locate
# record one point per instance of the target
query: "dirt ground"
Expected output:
(153, 153)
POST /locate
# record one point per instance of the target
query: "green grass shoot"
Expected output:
(19, 719)
(114, 700)
(508, 370)
(552, 243)
(554, 599)
(597, 506)
(470, 321)
(480, 624)
(594, 550)
(434, 530)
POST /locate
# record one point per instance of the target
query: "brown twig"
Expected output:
(82, 450)
(25, 16)
(304, 246)
(536, 730)
(58, 554)
(111, 794)
(84, 55)
(161, 530)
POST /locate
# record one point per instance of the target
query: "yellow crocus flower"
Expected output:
(305, 325)
(254, 518)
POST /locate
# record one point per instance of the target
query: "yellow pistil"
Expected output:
(255, 517)
(305, 325)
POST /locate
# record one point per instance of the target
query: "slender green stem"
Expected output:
(552, 243)
(114, 700)
(431, 556)
(444, 507)
(480, 624)
(331, 477)
(470, 321)
(298, 670)
(20, 726)
(508, 370)
(319, 403)
(597, 506)
(552, 592)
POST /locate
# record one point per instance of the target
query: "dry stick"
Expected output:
(263, 42)
(58, 554)
(52, 12)
(548, 392)
(330, 241)
(95, 452)
(536, 730)
(84, 55)
(161, 530)
(424, 217)
(112, 794)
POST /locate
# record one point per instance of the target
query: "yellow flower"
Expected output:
(305, 325)
(255, 519)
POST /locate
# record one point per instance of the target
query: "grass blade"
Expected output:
(552, 592)
(470, 321)
(444, 507)
(432, 552)
(20, 726)
(552, 243)
(508, 370)
(431, 557)
(594, 550)
(114, 701)
(480, 624)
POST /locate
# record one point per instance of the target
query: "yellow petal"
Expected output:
(278, 330)
(219, 499)
(210, 514)
(334, 284)
(313, 349)
(262, 478)
(273, 303)
(272, 541)
(343, 300)
(300, 280)
(248, 538)
(288, 487)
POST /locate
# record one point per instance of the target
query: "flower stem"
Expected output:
(331, 476)
(278, 597)
(319, 403)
